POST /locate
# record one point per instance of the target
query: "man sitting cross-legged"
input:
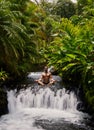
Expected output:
(46, 78)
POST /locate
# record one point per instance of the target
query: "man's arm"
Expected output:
(51, 79)
(40, 80)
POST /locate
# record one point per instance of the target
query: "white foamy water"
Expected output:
(28, 105)
(41, 98)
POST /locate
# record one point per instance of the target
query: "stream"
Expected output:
(43, 108)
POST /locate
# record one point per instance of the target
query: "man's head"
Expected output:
(45, 69)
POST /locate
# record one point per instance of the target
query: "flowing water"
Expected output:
(44, 108)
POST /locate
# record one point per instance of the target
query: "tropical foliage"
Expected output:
(64, 8)
(15, 42)
(59, 33)
(73, 52)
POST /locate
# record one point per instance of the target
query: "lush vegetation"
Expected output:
(60, 34)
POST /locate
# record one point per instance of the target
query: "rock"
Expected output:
(3, 102)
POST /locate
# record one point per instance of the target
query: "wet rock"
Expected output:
(3, 102)
(59, 125)
(81, 107)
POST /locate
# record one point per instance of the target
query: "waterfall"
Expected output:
(48, 97)
(41, 98)
(42, 108)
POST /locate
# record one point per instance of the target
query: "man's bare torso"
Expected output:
(46, 77)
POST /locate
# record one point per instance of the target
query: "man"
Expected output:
(46, 78)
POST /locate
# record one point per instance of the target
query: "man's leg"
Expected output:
(40, 82)
(52, 82)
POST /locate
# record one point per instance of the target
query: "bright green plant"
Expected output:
(17, 49)
(3, 75)
(70, 55)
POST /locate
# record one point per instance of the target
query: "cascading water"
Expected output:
(37, 108)
(42, 98)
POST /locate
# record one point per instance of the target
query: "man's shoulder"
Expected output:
(49, 73)
(43, 73)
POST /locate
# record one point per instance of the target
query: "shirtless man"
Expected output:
(46, 78)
